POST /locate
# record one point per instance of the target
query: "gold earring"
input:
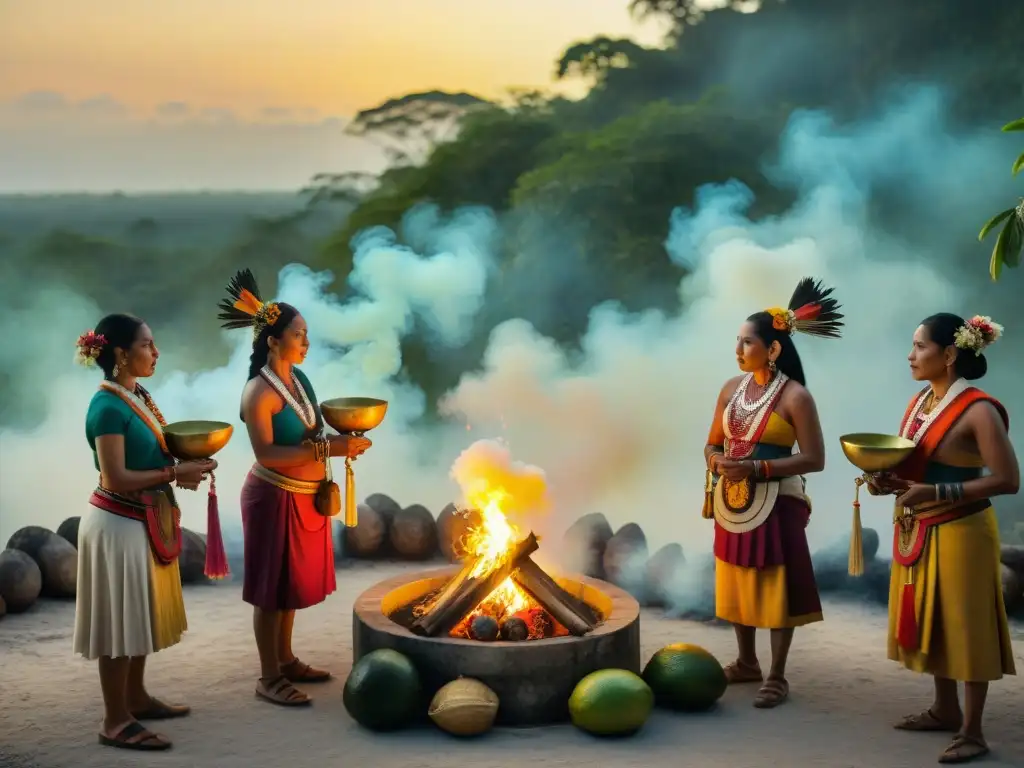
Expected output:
(771, 366)
(117, 370)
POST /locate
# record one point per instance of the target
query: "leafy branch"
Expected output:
(1010, 241)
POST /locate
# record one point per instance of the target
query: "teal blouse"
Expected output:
(108, 414)
(287, 426)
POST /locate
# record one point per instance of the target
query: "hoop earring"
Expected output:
(117, 370)
(772, 368)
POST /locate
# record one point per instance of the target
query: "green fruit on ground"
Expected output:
(611, 702)
(685, 677)
(383, 691)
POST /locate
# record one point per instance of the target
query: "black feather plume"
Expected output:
(230, 314)
(829, 320)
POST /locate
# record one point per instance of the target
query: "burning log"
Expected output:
(572, 613)
(464, 592)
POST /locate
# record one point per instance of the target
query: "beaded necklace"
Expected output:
(302, 407)
(744, 418)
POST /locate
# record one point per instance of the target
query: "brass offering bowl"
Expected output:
(194, 440)
(354, 415)
(873, 452)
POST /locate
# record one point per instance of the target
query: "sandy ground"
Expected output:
(845, 696)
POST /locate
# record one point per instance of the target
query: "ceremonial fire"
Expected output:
(500, 592)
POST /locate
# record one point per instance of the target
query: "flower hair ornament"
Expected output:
(811, 310)
(977, 333)
(245, 308)
(88, 348)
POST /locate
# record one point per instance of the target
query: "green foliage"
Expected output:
(624, 179)
(410, 126)
(593, 58)
(1010, 241)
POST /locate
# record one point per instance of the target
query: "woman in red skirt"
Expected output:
(289, 551)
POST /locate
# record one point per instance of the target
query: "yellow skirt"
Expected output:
(755, 597)
(961, 618)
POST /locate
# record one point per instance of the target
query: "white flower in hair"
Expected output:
(977, 333)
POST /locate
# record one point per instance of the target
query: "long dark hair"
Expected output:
(788, 360)
(260, 345)
(816, 314)
(942, 330)
(120, 331)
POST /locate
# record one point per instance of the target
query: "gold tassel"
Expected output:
(708, 512)
(856, 564)
(351, 520)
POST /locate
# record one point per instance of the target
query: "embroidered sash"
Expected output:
(911, 528)
(141, 410)
(155, 508)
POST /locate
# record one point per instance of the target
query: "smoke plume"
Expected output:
(886, 212)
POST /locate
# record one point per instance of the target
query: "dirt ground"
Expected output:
(845, 696)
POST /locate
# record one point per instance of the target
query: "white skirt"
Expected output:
(127, 604)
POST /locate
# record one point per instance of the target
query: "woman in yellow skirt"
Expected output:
(946, 612)
(763, 573)
(129, 602)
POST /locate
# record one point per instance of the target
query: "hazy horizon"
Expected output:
(117, 96)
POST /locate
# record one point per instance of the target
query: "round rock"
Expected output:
(662, 572)
(192, 560)
(68, 530)
(30, 539)
(1013, 588)
(58, 563)
(413, 533)
(366, 538)
(584, 543)
(384, 505)
(452, 526)
(625, 558)
(21, 581)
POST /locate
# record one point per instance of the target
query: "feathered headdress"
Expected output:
(244, 307)
(811, 311)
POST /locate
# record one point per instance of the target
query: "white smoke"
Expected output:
(619, 425)
(46, 474)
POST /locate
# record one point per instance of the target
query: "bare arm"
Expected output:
(996, 451)
(716, 435)
(116, 477)
(259, 403)
(811, 457)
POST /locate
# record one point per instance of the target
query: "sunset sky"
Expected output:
(147, 95)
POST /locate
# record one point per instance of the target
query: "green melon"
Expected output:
(611, 702)
(383, 691)
(685, 677)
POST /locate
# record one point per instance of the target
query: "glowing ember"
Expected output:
(492, 541)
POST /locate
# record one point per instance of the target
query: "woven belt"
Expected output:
(289, 484)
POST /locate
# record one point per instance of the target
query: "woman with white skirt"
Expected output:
(129, 602)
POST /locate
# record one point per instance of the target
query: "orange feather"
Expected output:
(247, 303)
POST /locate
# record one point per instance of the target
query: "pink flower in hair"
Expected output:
(88, 348)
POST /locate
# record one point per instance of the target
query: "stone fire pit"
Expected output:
(532, 679)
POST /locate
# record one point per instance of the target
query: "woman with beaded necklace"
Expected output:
(755, 489)
(129, 603)
(289, 551)
(946, 611)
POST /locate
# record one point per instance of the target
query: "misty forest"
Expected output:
(584, 189)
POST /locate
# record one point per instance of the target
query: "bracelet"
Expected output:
(713, 460)
(321, 449)
(766, 470)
